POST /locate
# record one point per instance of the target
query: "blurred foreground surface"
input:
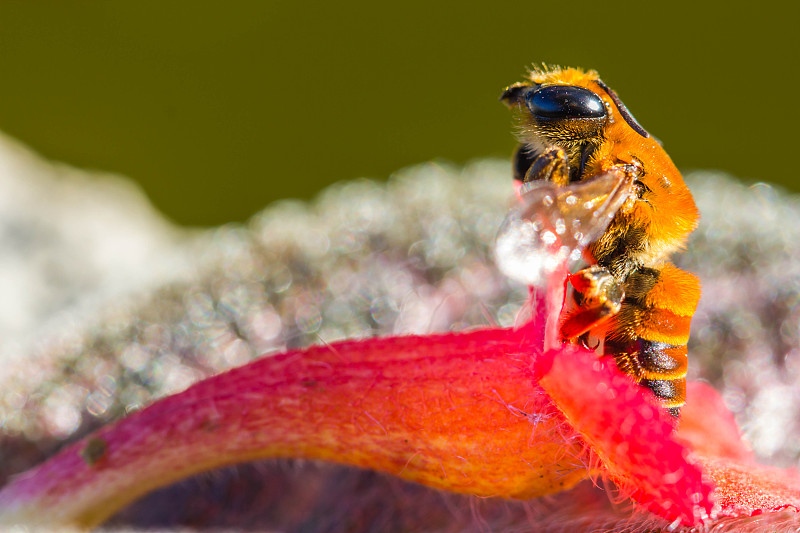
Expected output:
(107, 307)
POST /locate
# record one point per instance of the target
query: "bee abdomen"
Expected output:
(671, 393)
(658, 366)
(648, 337)
(659, 360)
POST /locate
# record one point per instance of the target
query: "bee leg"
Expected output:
(551, 165)
(598, 296)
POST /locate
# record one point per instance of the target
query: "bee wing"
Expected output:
(555, 224)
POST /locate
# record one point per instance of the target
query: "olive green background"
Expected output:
(218, 108)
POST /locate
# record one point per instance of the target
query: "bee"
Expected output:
(630, 303)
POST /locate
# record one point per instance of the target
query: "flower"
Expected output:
(491, 413)
(464, 396)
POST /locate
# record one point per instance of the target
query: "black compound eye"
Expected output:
(565, 102)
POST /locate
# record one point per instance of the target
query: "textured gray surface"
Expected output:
(114, 308)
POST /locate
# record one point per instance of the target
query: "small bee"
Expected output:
(630, 303)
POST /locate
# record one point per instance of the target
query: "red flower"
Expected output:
(489, 412)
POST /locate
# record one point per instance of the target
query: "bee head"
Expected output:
(572, 127)
(570, 117)
(561, 114)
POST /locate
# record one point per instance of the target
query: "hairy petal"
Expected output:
(742, 487)
(631, 436)
(460, 412)
(749, 489)
(484, 413)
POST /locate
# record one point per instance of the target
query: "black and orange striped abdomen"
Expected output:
(648, 337)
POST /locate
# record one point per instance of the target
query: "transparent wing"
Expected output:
(555, 224)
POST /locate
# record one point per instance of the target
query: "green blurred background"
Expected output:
(218, 108)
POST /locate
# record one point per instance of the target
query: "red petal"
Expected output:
(751, 489)
(742, 486)
(708, 427)
(460, 412)
(630, 434)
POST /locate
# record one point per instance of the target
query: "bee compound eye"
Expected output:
(565, 102)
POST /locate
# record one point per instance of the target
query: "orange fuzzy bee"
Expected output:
(631, 303)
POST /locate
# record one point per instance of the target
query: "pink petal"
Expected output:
(461, 412)
(743, 488)
(708, 427)
(631, 436)
(748, 489)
